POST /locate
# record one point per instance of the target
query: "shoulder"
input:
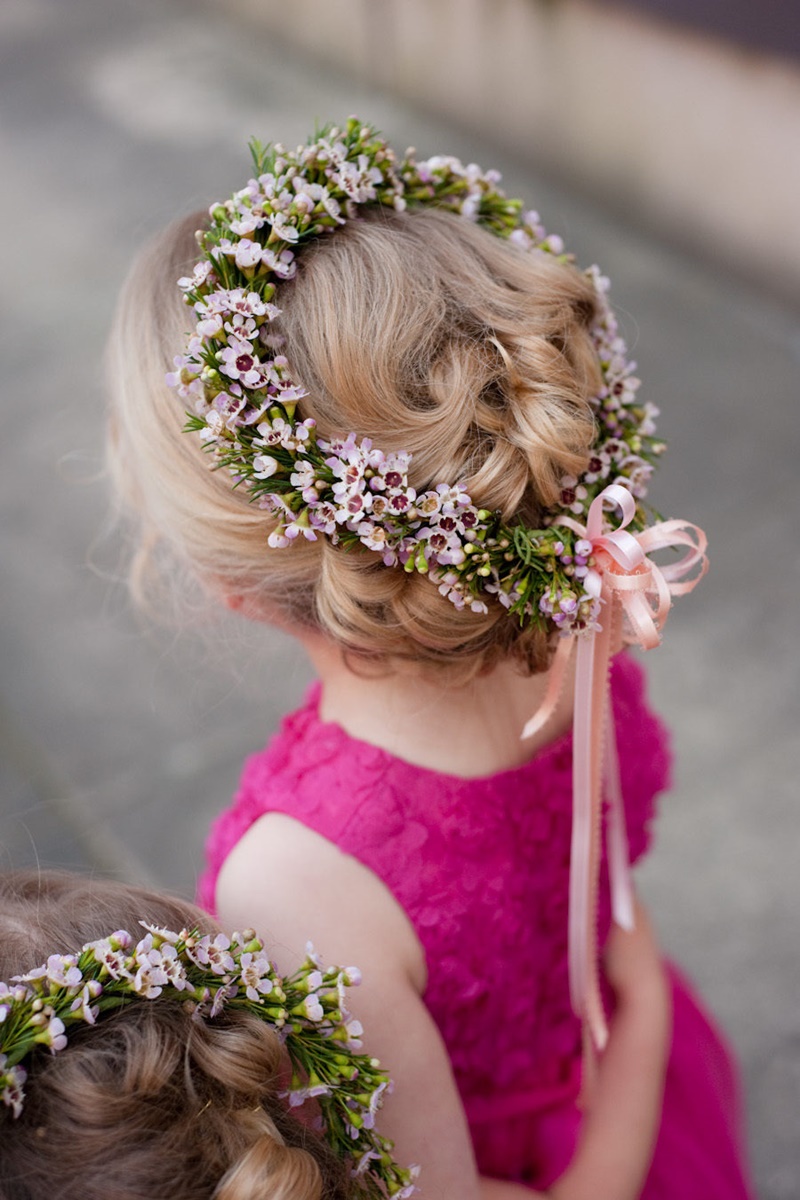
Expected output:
(294, 885)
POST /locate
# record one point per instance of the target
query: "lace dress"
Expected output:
(481, 867)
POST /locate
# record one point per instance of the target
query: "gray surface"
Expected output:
(118, 746)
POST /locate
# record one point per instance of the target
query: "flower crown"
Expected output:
(245, 400)
(307, 1009)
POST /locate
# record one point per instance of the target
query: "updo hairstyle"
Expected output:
(419, 330)
(149, 1103)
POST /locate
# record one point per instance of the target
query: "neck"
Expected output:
(470, 730)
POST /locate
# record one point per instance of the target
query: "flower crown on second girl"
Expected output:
(584, 572)
(212, 974)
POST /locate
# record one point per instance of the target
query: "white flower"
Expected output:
(247, 254)
(470, 206)
(283, 229)
(60, 969)
(52, 1030)
(248, 223)
(264, 466)
(304, 474)
(375, 1102)
(520, 238)
(312, 957)
(354, 1030)
(313, 1009)
(151, 975)
(91, 991)
(202, 273)
(210, 326)
(282, 265)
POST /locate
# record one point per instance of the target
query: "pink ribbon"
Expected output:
(636, 595)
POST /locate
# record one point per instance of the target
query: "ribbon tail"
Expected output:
(555, 686)
(619, 867)
(590, 687)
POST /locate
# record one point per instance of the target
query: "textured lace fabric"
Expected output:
(481, 867)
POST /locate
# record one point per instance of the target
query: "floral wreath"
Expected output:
(245, 400)
(307, 1009)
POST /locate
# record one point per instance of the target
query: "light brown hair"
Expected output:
(149, 1103)
(419, 330)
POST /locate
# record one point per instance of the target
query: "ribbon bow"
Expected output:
(636, 595)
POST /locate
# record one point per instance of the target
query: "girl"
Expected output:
(422, 418)
(146, 1100)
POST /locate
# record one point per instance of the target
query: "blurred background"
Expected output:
(661, 138)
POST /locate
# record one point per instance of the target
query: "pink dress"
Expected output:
(481, 868)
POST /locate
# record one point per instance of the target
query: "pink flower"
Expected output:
(428, 503)
(323, 517)
(298, 1096)
(241, 326)
(256, 976)
(111, 957)
(12, 1080)
(214, 954)
(371, 536)
(573, 494)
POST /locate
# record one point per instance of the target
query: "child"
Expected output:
(423, 417)
(140, 1099)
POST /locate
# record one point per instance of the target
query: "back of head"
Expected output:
(148, 1102)
(419, 330)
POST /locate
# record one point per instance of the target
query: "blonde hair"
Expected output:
(147, 1102)
(419, 330)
